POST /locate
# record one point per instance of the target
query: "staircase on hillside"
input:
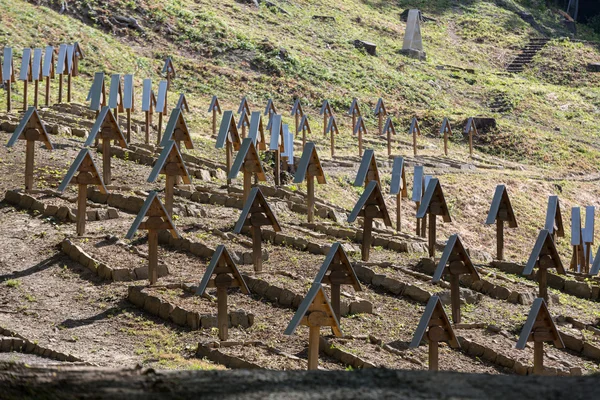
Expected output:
(527, 54)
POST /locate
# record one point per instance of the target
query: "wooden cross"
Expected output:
(455, 262)
(169, 71)
(177, 131)
(247, 161)
(222, 274)
(115, 95)
(417, 195)
(297, 113)
(414, 131)
(171, 164)
(106, 129)
(389, 130)
(354, 111)
(434, 327)
(256, 213)
(161, 106)
(305, 128)
(97, 94)
(64, 67)
(270, 109)
(25, 74)
(577, 260)
(228, 138)
(588, 237)
(77, 55)
(370, 205)
(501, 211)
(244, 106)
(48, 70)
(327, 112)
(434, 204)
(128, 101)
(315, 311)
(539, 328)
(381, 113)
(446, 131)
(243, 124)
(257, 131)
(310, 168)
(470, 129)
(182, 103)
(368, 170)
(36, 75)
(70, 57)
(554, 221)
(215, 108)
(360, 129)
(337, 271)
(398, 187)
(88, 175)
(544, 256)
(158, 220)
(32, 130)
(148, 105)
(8, 75)
(332, 129)
(277, 145)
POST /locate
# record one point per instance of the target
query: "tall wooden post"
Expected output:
(152, 256)
(310, 191)
(455, 292)
(433, 356)
(332, 145)
(60, 88)
(106, 173)
(256, 248)
(389, 141)
(129, 125)
(81, 207)
(367, 237)
(446, 143)
(543, 276)
(8, 96)
(500, 239)
(160, 117)
(147, 127)
(360, 144)
(399, 211)
(415, 143)
(169, 193)
(229, 158)
(214, 122)
(423, 227)
(222, 317)
(29, 157)
(247, 184)
(380, 124)
(68, 88)
(432, 235)
(36, 93)
(47, 103)
(418, 222)
(277, 168)
(313, 347)
(25, 95)
(538, 358)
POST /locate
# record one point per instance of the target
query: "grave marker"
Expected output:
(48, 70)
(305, 128)
(177, 131)
(398, 188)
(158, 220)
(389, 130)
(470, 129)
(169, 71)
(256, 131)
(244, 106)
(333, 130)
(413, 42)
(288, 145)
(297, 113)
(97, 94)
(545, 256)
(455, 262)
(277, 145)
(370, 205)
(148, 105)
(25, 74)
(270, 108)
(337, 271)
(36, 74)
(310, 168)
(577, 241)
(32, 130)
(215, 108)
(446, 131)
(315, 311)
(182, 103)
(539, 328)
(256, 213)
(434, 327)
(243, 123)
(414, 131)
(554, 222)
(501, 211)
(354, 111)
(171, 164)
(360, 129)
(88, 175)
(417, 195)
(115, 95)
(161, 106)
(128, 101)
(77, 55)
(106, 129)
(327, 112)
(588, 237)
(228, 138)
(8, 75)
(64, 67)
(434, 204)
(381, 113)
(368, 170)
(247, 161)
(226, 275)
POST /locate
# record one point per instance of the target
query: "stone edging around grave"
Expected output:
(104, 271)
(12, 341)
(62, 213)
(214, 355)
(342, 356)
(169, 312)
(391, 285)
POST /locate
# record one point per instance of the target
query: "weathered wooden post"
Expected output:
(434, 327)
(337, 271)
(354, 111)
(229, 139)
(297, 113)
(360, 129)
(161, 107)
(31, 129)
(36, 75)
(367, 171)
(48, 70)
(128, 101)
(501, 211)
(8, 75)
(588, 238)
(543, 256)
(327, 112)
(539, 328)
(222, 274)
(244, 106)
(88, 175)
(182, 103)
(243, 124)
(97, 94)
(414, 131)
(215, 109)
(256, 213)
(455, 262)
(398, 187)
(171, 164)
(169, 71)
(315, 311)
(310, 168)
(257, 131)
(115, 96)
(305, 128)
(417, 195)
(64, 66)
(148, 106)
(470, 129)
(446, 131)
(25, 74)
(369, 206)
(77, 55)
(434, 204)
(332, 129)
(578, 257)
(247, 161)
(381, 113)
(277, 145)
(106, 129)
(158, 220)
(389, 130)
(554, 221)
(70, 56)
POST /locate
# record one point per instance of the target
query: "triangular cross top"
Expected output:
(501, 209)
(161, 97)
(177, 130)
(257, 131)
(31, 128)
(214, 105)
(97, 93)
(115, 94)
(182, 103)
(168, 68)
(158, 218)
(418, 181)
(332, 126)
(414, 127)
(304, 125)
(170, 162)
(544, 246)
(244, 106)
(372, 196)
(252, 214)
(8, 70)
(244, 120)
(380, 107)
(106, 128)
(354, 109)
(128, 93)
(36, 69)
(576, 230)
(440, 329)
(368, 170)
(228, 132)
(388, 127)
(360, 126)
(270, 108)
(297, 108)
(588, 228)
(247, 160)
(446, 128)
(434, 202)
(221, 270)
(455, 261)
(49, 63)
(88, 172)
(326, 109)
(148, 97)
(539, 327)
(277, 134)
(310, 165)
(554, 221)
(470, 126)
(398, 184)
(315, 310)
(337, 269)
(25, 74)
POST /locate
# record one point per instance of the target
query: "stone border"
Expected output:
(15, 342)
(391, 285)
(342, 356)
(214, 355)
